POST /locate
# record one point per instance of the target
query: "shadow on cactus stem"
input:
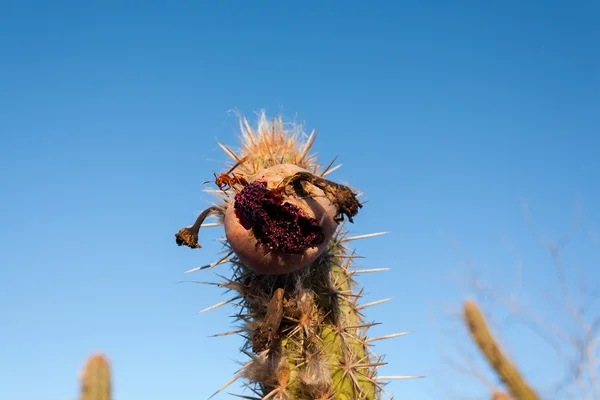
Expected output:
(95, 379)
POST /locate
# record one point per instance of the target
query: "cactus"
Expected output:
(95, 379)
(500, 396)
(507, 372)
(293, 275)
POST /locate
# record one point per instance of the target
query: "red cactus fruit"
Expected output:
(273, 233)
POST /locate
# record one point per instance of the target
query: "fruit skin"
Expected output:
(260, 258)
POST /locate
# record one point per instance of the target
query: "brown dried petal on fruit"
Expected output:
(341, 196)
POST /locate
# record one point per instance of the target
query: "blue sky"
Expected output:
(446, 114)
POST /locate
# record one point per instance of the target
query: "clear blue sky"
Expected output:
(444, 113)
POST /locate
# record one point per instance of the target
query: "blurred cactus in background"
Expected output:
(95, 379)
(293, 274)
(486, 343)
(500, 396)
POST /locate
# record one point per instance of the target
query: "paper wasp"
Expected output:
(225, 181)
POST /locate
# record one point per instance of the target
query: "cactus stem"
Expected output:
(488, 346)
(95, 380)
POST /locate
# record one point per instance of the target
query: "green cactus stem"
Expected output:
(488, 346)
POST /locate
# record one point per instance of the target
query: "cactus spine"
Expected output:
(95, 379)
(507, 372)
(305, 335)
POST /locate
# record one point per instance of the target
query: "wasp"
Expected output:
(225, 181)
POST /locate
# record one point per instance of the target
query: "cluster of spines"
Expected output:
(321, 350)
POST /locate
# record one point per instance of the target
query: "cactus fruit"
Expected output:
(272, 235)
(507, 372)
(292, 272)
(95, 379)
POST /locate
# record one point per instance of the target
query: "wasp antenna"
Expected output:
(205, 182)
